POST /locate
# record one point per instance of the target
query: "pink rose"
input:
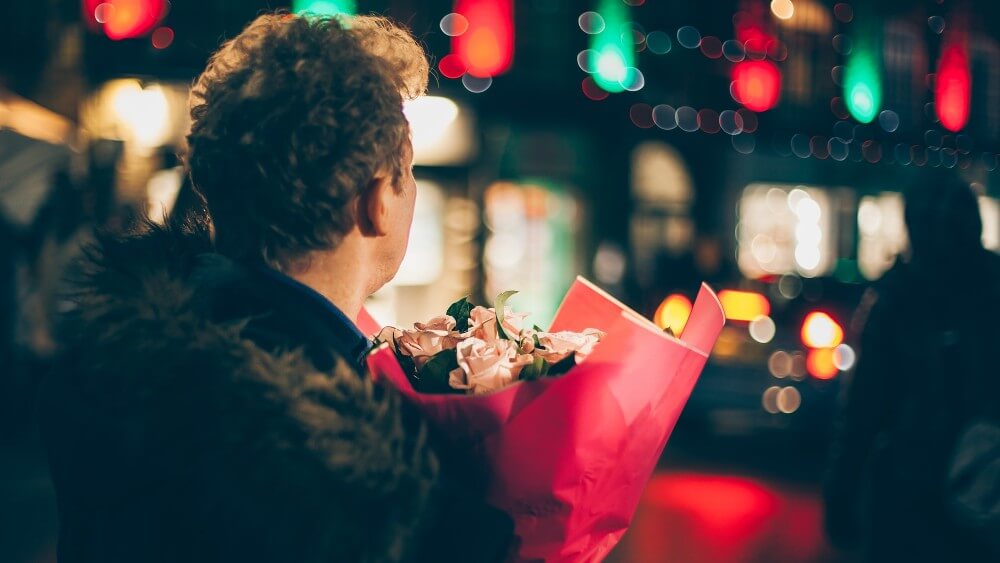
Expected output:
(559, 345)
(484, 366)
(441, 323)
(430, 338)
(483, 323)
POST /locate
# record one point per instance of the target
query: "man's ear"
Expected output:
(373, 206)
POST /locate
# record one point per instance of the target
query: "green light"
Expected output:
(325, 7)
(862, 77)
(610, 56)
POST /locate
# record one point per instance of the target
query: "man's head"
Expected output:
(298, 139)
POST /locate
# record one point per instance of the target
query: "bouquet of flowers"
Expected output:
(474, 350)
(567, 457)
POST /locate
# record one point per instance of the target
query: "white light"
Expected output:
(763, 249)
(808, 234)
(161, 192)
(782, 9)
(142, 113)
(762, 329)
(611, 66)
(454, 24)
(869, 216)
(844, 357)
(429, 117)
(808, 210)
(989, 211)
(807, 257)
(795, 196)
(440, 130)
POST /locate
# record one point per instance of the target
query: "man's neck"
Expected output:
(340, 275)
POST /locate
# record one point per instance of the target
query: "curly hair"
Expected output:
(291, 120)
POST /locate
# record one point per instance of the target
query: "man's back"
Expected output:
(174, 435)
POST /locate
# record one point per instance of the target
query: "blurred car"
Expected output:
(776, 369)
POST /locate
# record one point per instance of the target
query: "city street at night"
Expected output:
(499, 281)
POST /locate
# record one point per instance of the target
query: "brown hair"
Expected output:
(291, 120)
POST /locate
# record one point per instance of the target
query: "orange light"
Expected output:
(819, 330)
(673, 313)
(487, 46)
(820, 363)
(743, 305)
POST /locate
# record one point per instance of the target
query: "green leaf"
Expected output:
(460, 311)
(537, 369)
(499, 306)
(433, 377)
(562, 366)
(537, 328)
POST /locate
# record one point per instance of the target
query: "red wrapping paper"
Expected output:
(569, 456)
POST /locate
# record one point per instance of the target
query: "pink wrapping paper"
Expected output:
(569, 456)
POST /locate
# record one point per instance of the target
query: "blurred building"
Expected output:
(761, 145)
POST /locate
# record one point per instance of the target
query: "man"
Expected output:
(212, 405)
(925, 371)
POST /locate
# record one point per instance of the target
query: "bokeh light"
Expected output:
(820, 364)
(665, 117)
(454, 24)
(591, 23)
(757, 84)
(162, 37)
(673, 313)
(689, 37)
(819, 330)
(658, 42)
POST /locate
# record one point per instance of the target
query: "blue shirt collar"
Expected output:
(355, 344)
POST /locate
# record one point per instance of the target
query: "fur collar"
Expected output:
(158, 415)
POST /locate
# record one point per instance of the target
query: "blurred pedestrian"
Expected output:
(926, 374)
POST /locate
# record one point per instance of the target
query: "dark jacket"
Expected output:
(926, 368)
(201, 414)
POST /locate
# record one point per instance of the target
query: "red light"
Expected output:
(743, 305)
(819, 330)
(163, 37)
(821, 365)
(592, 90)
(124, 19)
(954, 85)
(452, 66)
(487, 47)
(757, 84)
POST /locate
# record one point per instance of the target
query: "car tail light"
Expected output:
(743, 305)
(819, 330)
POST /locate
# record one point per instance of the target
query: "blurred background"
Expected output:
(649, 145)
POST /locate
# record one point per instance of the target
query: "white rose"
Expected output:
(557, 346)
(486, 366)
